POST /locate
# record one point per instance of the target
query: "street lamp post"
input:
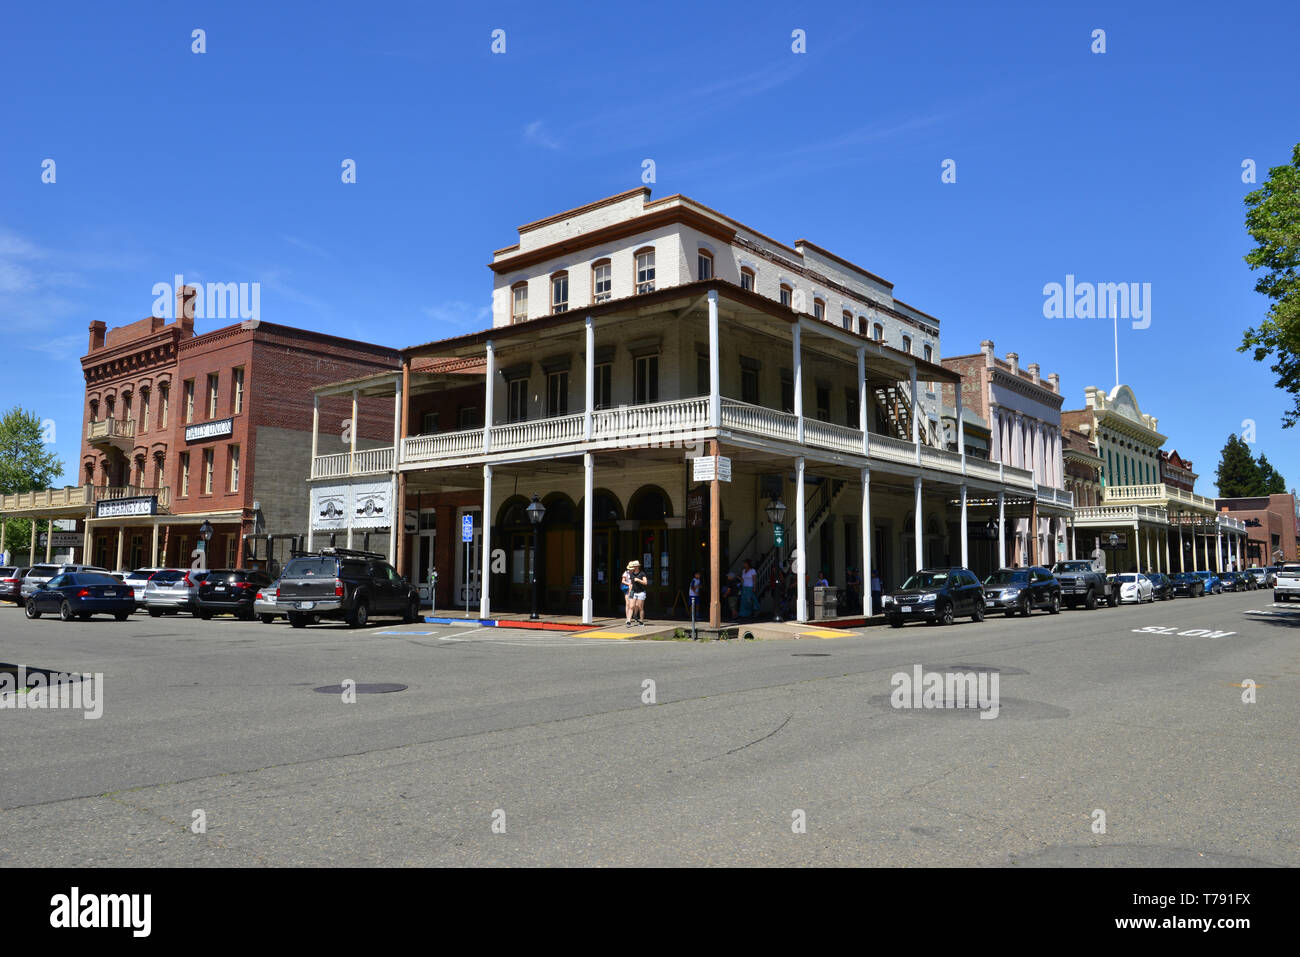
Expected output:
(776, 515)
(536, 512)
(205, 533)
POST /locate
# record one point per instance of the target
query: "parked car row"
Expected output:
(335, 583)
(941, 595)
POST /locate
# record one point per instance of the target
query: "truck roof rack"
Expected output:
(338, 553)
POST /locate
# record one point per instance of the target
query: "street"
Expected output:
(525, 748)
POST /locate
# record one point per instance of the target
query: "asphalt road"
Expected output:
(547, 737)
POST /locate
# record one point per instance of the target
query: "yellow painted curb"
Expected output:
(825, 633)
(613, 635)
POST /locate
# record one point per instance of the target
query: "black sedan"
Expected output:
(1162, 586)
(229, 592)
(1233, 581)
(80, 595)
(935, 595)
(1187, 585)
(1021, 590)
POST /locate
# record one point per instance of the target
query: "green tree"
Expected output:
(1273, 220)
(1274, 483)
(26, 463)
(1238, 474)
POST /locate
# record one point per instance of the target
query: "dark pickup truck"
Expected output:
(1082, 584)
(345, 585)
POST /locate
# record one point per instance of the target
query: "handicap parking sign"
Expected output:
(467, 528)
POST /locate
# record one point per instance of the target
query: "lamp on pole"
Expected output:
(776, 515)
(536, 512)
(205, 534)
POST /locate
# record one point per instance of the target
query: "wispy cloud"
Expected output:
(536, 134)
(456, 316)
(309, 247)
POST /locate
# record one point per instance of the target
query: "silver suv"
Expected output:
(171, 590)
(43, 573)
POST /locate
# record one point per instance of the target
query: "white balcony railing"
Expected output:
(106, 430)
(345, 464)
(1158, 493)
(640, 424)
(1119, 514)
(759, 420)
(1047, 495)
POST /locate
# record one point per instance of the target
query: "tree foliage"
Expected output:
(26, 463)
(1238, 474)
(1273, 221)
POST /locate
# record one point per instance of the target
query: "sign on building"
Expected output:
(202, 431)
(61, 539)
(126, 507)
(705, 468)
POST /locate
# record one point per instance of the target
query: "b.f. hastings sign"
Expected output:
(209, 430)
(126, 507)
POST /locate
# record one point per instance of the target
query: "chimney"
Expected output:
(97, 330)
(1033, 371)
(1055, 380)
(1014, 359)
(1090, 396)
(986, 347)
(185, 296)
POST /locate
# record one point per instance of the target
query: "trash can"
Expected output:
(826, 602)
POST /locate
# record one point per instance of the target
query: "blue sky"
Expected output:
(225, 166)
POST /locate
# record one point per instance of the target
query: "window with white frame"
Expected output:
(907, 344)
(646, 379)
(559, 293)
(602, 281)
(234, 468)
(603, 384)
(237, 389)
(787, 295)
(747, 278)
(645, 270)
(704, 263)
(519, 302)
(209, 466)
(819, 309)
(846, 320)
(557, 393)
(213, 379)
(878, 332)
(517, 400)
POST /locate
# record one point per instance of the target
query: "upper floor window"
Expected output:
(144, 410)
(787, 295)
(519, 302)
(749, 385)
(747, 278)
(559, 293)
(819, 309)
(604, 381)
(878, 332)
(645, 270)
(429, 423)
(185, 473)
(557, 393)
(705, 264)
(209, 461)
(647, 380)
(602, 281)
(237, 389)
(824, 403)
(212, 396)
(94, 410)
(234, 468)
(189, 401)
(466, 418)
(164, 396)
(846, 319)
(907, 344)
(929, 354)
(517, 401)
(787, 392)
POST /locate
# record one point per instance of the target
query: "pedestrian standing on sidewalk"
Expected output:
(693, 592)
(626, 586)
(877, 588)
(748, 590)
(640, 584)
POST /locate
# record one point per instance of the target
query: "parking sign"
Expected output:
(467, 528)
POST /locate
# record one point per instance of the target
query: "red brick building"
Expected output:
(181, 429)
(1271, 524)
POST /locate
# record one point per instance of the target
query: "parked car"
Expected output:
(1162, 586)
(11, 582)
(1135, 587)
(80, 595)
(1287, 584)
(227, 591)
(138, 579)
(1232, 581)
(1270, 572)
(935, 595)
(1259, 576)
(1081, 584)
(345, 584)
(43, 573)
(1188, 585)
(1021, 590)
(172, 590)
(1212, 584)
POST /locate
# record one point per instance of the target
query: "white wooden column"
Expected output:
(1002, 529)
(961, 429)
(153, 552)
(315, 432)
(917, 523)
(49, 544)
(800, 540)
(590, 407)
(121, 538)
(1218, 549)
(715, 374)
(1182, 562)
(866, 539)
(798, 385)
(485, 575)
(489, 386)
(31, 549)
(396, 510)
(862, 400)
(588, 554)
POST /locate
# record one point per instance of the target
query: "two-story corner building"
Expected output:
(665, 382)
(182, 428)
(1143, 522)
(1023, 410)
(1272, 526)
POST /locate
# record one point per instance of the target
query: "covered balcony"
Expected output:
(111, 433)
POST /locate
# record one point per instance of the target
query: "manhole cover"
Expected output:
(382, 688)
(811, 654)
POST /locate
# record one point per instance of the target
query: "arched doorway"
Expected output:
(608, 561)
(559, 561)
(649, 540)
